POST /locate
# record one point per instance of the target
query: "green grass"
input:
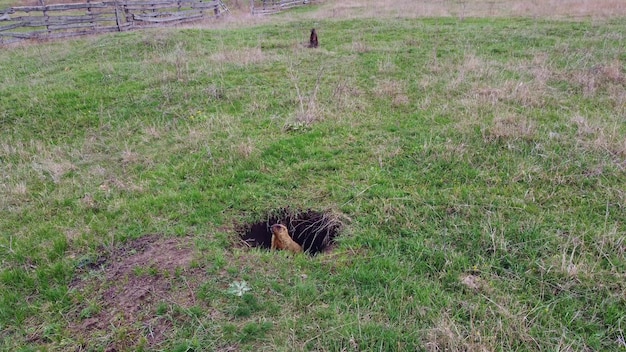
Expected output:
(7, 3)
(480, 162)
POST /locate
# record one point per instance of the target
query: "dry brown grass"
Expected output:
(360, 47)
(12, 191)
(310, 110)
(393, 90)
(245, 149)
(524, 93)
(52, 162)
(475, 8)
(472, 68)
(348, 96)
(490, 88)
(387, 150)
(240, 57)
(501, 325)
(603, 137)
(386, 65)
(509, 128)
(447, 335)
(608, 75)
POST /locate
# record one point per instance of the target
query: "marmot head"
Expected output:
(279, 229)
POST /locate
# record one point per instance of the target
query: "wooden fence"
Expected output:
(65, 20)
(267, 7)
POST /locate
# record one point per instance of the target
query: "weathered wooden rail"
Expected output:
(268, 7)
(66, 20)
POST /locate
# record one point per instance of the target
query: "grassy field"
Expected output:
(478, 166)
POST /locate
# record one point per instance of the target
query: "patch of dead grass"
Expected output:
(502, 323)
(56, 169)
(476, 8)
(152, 132)
(347, 96)
(447, 335)
(88, 201)
(245, 148)
(310, 110)
(386, 65)
(360, 47)
(487, 95)
(527, 94)
(510, 128)
(20, 149)
(387, 151)
(583, 127)
(11, 192)
(240, 57)
(603, 137)
(129, 157)
(540, 68)
(471, 67)
(394, 90)
(611, 240)
(489, 86)
(618, 95)
(471, 281)
(601, 76)
(114, 183)
(489, 89)
(448, 150)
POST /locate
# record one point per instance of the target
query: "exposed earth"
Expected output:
(121, 293)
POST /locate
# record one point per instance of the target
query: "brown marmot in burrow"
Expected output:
(282, 240)
(313, 43)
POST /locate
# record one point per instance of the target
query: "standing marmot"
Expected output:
(282, 240)
(313, 43)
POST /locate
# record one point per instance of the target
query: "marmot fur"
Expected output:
(282, 240)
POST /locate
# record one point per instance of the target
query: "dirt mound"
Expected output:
(117, 301)
(314, 231)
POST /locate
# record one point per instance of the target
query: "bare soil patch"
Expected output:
(117, 303)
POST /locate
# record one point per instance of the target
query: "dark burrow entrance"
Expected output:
(314, 231)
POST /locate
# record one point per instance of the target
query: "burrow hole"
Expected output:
(313, 230)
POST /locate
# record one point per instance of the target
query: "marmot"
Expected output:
(282, 240)
(313, 43)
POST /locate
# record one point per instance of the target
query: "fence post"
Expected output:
(117, 16)
(90, 14)
(46, 18)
